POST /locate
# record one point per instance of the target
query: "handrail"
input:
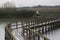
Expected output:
(13, 38)
(9, 32)
(39, 34)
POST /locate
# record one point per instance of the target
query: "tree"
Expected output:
(10, 11)
(9, 5)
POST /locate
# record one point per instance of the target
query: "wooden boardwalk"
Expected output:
(33, 30)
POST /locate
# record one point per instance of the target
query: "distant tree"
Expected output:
(10, 11)
(8, 5)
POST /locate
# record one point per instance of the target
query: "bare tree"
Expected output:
(9, 5)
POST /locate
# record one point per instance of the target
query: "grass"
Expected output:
(14, 14)
(46, 14)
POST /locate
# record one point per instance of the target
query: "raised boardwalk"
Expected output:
(32, 31)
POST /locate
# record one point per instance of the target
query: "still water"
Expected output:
(53, 35)
(2, 30)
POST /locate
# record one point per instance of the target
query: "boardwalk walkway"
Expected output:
(17, 32)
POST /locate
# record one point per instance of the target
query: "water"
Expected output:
(53, 35)
(2, 30)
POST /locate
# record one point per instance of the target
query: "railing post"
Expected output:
(44, 38)
(17, 24)
(29, 35)
(38, 37)
(9, 26)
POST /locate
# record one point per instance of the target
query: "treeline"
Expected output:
(45, 6)
(40, 6)
(11, 13)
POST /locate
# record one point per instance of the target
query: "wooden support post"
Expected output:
(9, 26)
(44, 38)
(45, 29)
(16, 24)
(51, 27)
(29, 35)
(22, 26)
(48, 28)
(42, 30)
(34, 29)
(38, 37)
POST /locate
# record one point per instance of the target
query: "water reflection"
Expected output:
(53, 35)
(2, 30)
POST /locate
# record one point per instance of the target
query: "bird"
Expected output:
(37, 13)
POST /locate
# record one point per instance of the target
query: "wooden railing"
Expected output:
(31, 33)
(8, 34)
(38, 34)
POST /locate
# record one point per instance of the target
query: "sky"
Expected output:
(20, 3)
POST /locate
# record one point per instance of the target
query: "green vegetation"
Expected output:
(25, 13)
(46, 14)
(14, 13)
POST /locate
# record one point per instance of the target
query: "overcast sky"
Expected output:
(32, 2)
